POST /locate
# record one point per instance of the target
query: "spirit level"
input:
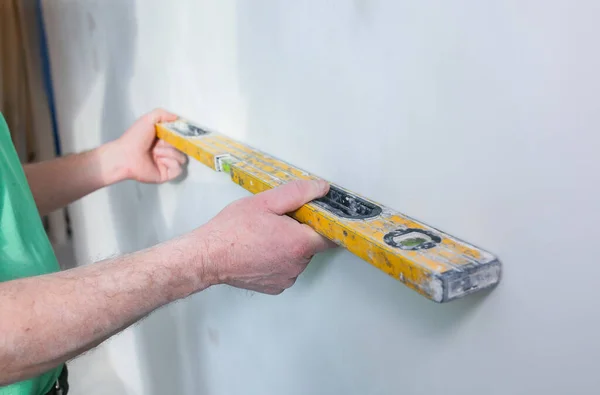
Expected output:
(433, 263)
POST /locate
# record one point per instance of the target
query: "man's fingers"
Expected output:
(167, 151)
(318, 242)
(293, 195)
(263, 289)
(169, 168)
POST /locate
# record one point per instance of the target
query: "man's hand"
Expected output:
(142, 156)
(136, 155)
(252, 244)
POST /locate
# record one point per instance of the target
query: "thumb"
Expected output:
(160, 115)
(293, 195)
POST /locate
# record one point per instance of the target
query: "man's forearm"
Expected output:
(47, 320)
(58, 182)
(251, 244)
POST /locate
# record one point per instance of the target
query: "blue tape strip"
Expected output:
(47, 76)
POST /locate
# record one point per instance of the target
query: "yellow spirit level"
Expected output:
(433, 263)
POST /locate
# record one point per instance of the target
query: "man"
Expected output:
(48, 317)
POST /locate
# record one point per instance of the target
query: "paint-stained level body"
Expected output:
(433, 263)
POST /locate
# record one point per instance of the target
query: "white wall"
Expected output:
(480, 118)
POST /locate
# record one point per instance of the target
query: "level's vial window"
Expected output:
(412, 239)
(187, 129)
(346, 205)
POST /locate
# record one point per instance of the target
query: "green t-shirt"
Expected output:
(24, 246)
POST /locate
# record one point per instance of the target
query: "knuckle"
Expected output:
(290, 283)
(262, 202)
(257, 201)
(301, 249)
(246, 201)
